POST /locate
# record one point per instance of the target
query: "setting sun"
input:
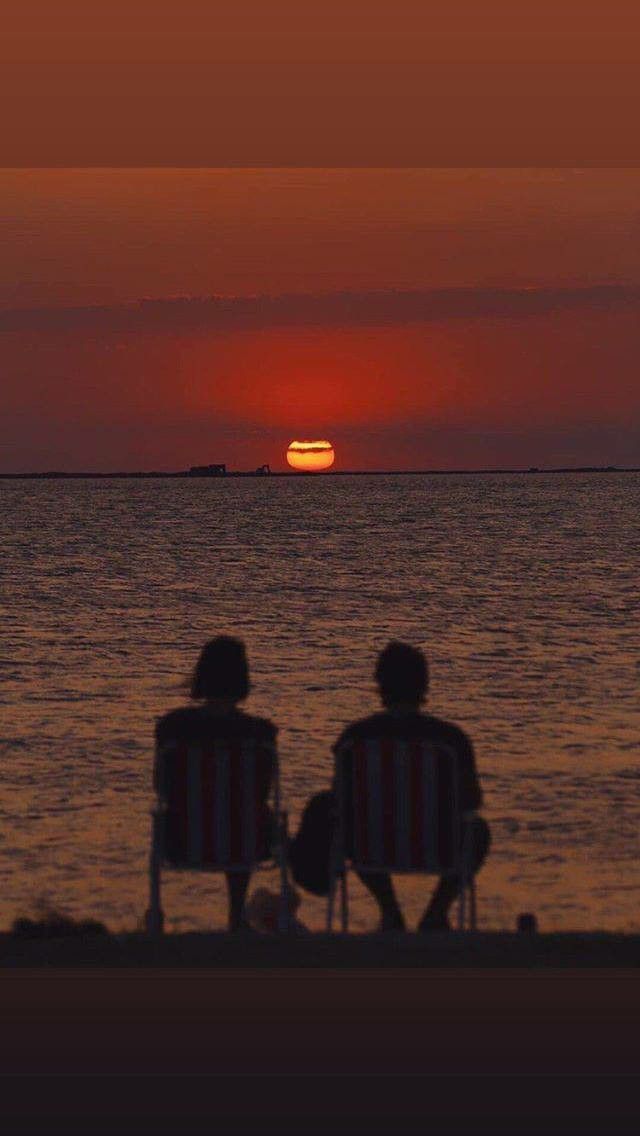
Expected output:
(311, 457)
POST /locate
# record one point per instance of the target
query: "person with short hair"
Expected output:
(402, 677)
(220, 681)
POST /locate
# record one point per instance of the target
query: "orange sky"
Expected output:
(391, 383)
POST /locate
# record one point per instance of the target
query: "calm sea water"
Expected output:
(523, 590)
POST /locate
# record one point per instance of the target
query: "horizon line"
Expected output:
(53, 474)
(355, 307)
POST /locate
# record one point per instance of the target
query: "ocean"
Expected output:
(521, 588)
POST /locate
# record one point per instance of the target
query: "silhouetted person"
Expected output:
(220, 681)
(402, 677)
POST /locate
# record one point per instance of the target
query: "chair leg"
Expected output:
(334, 871)
(283, 906)
(462, 905)
(154, 916)
(473, 910)
(344, 905)
(330, 903)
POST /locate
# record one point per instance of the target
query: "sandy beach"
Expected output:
(204, 1005)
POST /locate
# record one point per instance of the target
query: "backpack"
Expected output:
(310, 850)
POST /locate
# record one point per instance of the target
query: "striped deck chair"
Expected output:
(208, 816)
(397, 810)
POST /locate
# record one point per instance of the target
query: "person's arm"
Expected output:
(470, 789)
(156, 763)
(163, 745)
(341, 783)
(268, 763)
(339, 750)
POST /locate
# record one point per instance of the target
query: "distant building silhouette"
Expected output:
(215, 470)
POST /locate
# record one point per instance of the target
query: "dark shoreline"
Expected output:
(55, 475)
(501, 950)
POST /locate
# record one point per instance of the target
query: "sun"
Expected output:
(311, 457)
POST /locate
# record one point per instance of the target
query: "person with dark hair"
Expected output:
(402, 678)
(222, 672)
(220, 681)
(402, 675)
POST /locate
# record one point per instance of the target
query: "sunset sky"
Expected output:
(417, 318)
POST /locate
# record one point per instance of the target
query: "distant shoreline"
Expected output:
(61, 475)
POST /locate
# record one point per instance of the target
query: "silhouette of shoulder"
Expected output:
(408, 727)
(401, 726)
(197, 724)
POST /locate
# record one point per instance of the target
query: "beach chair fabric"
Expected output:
(211, 816)
(214, 817)
(397, 812)
(402, 804)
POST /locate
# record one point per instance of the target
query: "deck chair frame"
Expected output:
(341, 862)
(154, 917)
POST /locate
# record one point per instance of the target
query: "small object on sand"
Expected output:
(527, 923)
(263, 909)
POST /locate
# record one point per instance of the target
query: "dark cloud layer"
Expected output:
(331, 309)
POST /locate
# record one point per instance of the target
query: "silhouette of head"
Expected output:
(222, 670)
(402, 674)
